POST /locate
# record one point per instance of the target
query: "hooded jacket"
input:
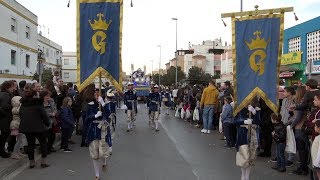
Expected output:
(15, 123)
(209, 96)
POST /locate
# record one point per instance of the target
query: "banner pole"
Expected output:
(100, 89)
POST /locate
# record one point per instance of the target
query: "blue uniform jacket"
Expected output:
(130, 99)
(168, 96)
(242, 132)
(154, 101)
(94, 133)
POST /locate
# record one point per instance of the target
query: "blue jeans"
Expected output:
(281, 160)
(208, 117)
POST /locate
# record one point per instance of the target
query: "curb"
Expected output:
(21, 165)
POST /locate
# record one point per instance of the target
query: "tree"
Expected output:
(170, 78)
(46, 76)
(197, 75)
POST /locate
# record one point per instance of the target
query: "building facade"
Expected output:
(52, 53)
(20, 44)
(18, 41)
(69, 67)
(301, 39)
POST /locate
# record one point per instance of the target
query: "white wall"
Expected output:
(70, 67)
(18, 37)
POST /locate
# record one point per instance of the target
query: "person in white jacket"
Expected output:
(315, 151)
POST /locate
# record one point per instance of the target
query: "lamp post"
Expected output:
(241, 5)
(176, 53)
(159, 63)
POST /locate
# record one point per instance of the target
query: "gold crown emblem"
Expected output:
(257, 43)
(100, 24)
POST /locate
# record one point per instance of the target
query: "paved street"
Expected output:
(177, 152)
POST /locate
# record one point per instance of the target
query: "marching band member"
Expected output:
(109, 116)
(154, 102)
(167, 99)
(130, 100)
(247, 139)
(97, 133)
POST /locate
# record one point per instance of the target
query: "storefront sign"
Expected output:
(291, 58)
(286, 74)
(315, 69)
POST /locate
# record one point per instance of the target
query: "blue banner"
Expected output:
(99, 41)
(257, 47)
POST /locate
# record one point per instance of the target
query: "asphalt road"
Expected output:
(178, 152)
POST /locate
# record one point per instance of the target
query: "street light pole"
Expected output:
(241, 5)
(159, 63)
(176, 53)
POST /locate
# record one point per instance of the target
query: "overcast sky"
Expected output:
(148, 24)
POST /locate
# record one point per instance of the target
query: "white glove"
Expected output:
(101, 101)
(248, 121)
(99, 114)
(251, 109)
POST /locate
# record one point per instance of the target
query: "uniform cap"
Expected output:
(156, 86)
(130, 83)
(110, 93)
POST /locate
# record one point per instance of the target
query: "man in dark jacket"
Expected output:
(7, 89)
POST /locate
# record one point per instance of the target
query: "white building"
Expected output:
(20, 44)
(206, 56)
(18, 41)
(52, 53)
(69, 67)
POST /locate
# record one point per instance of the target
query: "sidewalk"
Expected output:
(9, 166)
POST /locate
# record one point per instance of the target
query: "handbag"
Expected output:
(177, 113)
(291, 142)
(243, 156)
(196, 114)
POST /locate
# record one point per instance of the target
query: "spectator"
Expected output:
(22, 84)
(279, 135)
(14, 126)
(34, 124)
(36, 87)
(227, 120)
(51, 111)
(67, 123)
(7, 89)
(209, 101)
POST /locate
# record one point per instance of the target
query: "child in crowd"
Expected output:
(198, 98)
(315, 148)
(67, 123)
(14, 126)
(279, 135)
(227, 120)
(315, 151)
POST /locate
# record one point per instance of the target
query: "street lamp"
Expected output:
(159, 62)
(176, 53)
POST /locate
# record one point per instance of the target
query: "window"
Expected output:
(313, 51)
(27, 60)
(66, 75)
(13, 25)
(47, 52)
(27, 32)
(295, 44)
(13, 57)
(66, 62)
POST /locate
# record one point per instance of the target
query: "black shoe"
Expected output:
(67, 150)
(273, 159)
(32, 166)
(5, 155)
(83, 145)
(282, 170)
(275, 167)
(44, 165)
(157, 130)
(263, 154)
(289, 164)
(128, 130)
(300, 172)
